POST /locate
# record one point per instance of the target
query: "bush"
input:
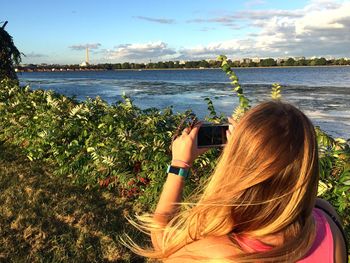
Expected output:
(127, 149)
(95, 144)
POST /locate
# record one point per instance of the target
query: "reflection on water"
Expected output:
(326, 104)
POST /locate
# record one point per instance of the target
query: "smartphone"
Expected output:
(212, 135)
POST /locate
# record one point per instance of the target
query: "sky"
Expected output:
(58, 32)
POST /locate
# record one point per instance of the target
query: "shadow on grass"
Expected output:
(43, 218)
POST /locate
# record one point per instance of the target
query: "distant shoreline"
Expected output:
(55, 70)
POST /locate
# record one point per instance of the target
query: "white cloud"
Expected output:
(228, 21)
(156, 20)
(34, 55)
(266, 14)
(141, 52)
(84, 46)
(324, 19)
(321, 28)
(254, 16)
(322, 4)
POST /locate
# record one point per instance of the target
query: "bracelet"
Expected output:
(184, 163)
(178, 171)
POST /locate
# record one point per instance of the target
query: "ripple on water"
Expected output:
(327, 105)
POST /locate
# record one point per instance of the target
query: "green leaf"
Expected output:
(90, 149)
(346, 182)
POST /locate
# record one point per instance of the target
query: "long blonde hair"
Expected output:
(265, 183)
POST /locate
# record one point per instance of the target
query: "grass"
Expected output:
(45, 219)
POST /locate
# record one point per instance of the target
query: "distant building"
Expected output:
(84, 64)
(246, 60)
(279, 61)
(299, 58)
(256, 60)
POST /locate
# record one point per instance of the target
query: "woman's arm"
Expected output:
(167, 205)
(184, 152)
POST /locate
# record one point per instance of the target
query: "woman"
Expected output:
(258, 205)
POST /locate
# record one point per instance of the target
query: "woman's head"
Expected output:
(269, 169)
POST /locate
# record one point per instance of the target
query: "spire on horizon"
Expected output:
(86, 62)
(87, 55)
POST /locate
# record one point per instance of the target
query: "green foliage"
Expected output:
(289, 62)
(213, 116)
(9, 55)
(276, 91)
(92, 143)
(191, 64)
(244, 103)
(127, 149)
(318, 62)
(334, 184)
(269, 62)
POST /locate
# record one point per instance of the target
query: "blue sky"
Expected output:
(139, 31)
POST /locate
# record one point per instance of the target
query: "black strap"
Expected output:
(335, 220)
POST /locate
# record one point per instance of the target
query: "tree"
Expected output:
(9, 55)
(341, 61)
(289, 62)
(269, 62)
(170, 64)
(252, 64)
(126, 65)
(318, 62)
(301, 62)
(161, 64)
(203, 64)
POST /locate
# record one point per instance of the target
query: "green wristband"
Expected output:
(178, 171)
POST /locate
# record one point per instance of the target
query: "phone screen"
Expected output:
(212, 135)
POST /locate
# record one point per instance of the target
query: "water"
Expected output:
(323, 93)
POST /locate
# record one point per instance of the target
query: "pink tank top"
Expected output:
(321, 250)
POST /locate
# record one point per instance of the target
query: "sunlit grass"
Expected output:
(45, 219)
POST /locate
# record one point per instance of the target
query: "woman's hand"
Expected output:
(184, 148)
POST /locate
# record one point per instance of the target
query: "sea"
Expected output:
(322, 93)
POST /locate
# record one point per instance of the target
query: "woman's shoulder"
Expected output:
(333, 220)
(208, 249)
(338, 241)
